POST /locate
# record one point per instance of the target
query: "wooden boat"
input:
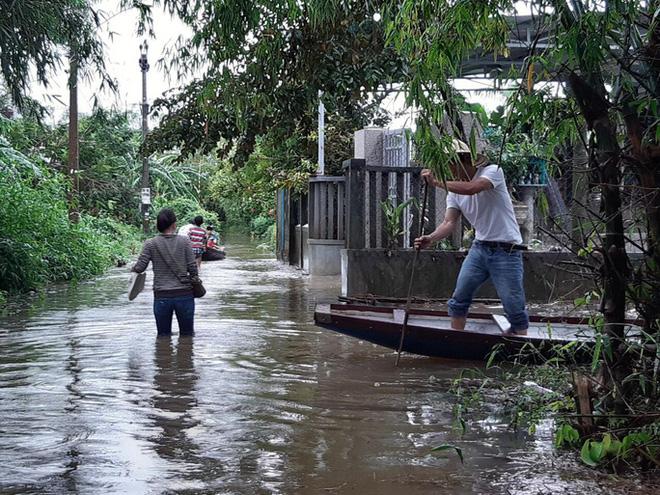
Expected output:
(213, 255)
(429, 332)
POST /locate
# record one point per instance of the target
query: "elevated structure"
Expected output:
(525, 38)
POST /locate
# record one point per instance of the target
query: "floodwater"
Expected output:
(259, 401)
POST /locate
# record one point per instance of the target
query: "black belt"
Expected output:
(502, 245)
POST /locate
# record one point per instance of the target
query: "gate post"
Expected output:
(354, 170)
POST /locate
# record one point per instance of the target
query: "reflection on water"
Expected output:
(258, 402)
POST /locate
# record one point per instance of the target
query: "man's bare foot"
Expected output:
(458, 323)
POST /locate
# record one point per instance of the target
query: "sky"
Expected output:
(122, 49)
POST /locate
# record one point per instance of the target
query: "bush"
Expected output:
(185, 209)
(259, 226)
(118, 240)
(40, 245)
(243, 194)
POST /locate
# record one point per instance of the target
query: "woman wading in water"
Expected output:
(173, 266)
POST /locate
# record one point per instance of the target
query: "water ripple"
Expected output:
(258, 402)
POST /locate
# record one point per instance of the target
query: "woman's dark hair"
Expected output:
(198, 220)
(166, 218)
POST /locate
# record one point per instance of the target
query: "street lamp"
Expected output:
(144, 184)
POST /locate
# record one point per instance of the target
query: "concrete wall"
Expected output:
(324, 256)
(372, 271)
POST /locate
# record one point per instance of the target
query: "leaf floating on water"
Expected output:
(447, 446)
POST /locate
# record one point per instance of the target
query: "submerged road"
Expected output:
(260, 401)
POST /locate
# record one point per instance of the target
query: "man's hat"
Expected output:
(459, 146)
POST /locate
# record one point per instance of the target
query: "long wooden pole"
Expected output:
(412, 275)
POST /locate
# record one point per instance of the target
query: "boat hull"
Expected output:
(428, 333)
(213, 255)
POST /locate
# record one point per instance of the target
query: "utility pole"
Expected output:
(321, 153)
(146, 191)
(73, 158)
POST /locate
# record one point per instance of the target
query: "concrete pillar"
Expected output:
(324, 256)
(520, 210)
(368, 144)
(528, 196)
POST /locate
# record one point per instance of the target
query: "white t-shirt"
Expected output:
(490, 212)
(184, 230)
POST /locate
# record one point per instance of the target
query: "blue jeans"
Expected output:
(505, 269)
(184, 307)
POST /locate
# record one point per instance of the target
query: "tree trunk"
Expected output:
(73, 197)
(646, 163)
(647, 278)
(614, 269)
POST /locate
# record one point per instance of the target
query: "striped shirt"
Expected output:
(167, 283)
(197, 236)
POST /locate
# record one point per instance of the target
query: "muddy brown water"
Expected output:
(260, 401)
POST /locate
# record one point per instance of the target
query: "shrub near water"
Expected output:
(185, 209)
(261, 226)
(38, 244)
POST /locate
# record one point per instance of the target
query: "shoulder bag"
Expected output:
(196, 282)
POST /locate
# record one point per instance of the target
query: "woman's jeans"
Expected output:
(184, 307)
(504, 267)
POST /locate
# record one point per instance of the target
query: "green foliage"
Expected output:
(256, 106)
(525, 394)
(394, 221)
(110, 165)
(185, 209)
(261, 226)
(265, 64)
(119, 241)
(270, 235)
(38, 244)
(13, 163)
(246, 193)
(434, 38)
(468, 397)
(529, 394)
(32, 33)
(607, 53)
(566, 435)
(515, 156)
(611, 451)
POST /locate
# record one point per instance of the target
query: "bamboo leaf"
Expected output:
(585, 454)
(530, 78)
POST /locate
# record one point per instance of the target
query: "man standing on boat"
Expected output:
(480, 193)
